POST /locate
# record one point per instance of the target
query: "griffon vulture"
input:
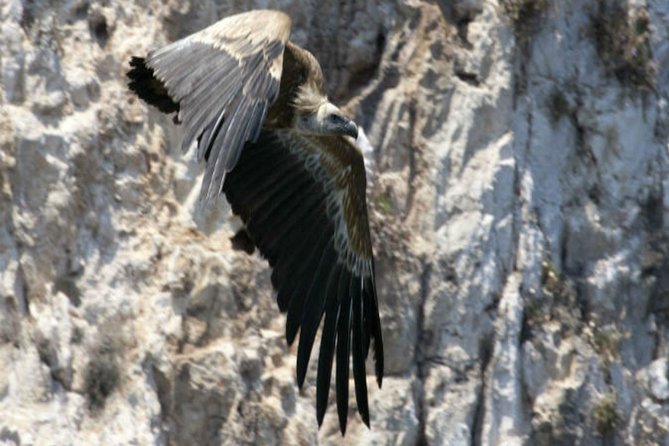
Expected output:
(287, 161)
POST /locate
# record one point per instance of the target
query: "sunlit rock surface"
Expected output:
(519, 198)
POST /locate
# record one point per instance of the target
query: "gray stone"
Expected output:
(518, 193)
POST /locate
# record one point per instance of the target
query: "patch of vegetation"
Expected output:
(551, 278)
(558, 302)
(535, 312)
(525, 16)
(607, 340)
(622, 38)
(555, 302)
(605, 414)
(102, 377)
(383, 203)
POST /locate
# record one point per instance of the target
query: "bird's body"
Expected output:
(286, 159)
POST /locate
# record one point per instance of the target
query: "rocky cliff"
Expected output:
(519, 201)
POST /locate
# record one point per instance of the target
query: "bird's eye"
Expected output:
(336, 119)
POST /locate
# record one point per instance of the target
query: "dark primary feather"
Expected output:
(314, 307)
(284, 208)
(328, 337)
(343, 354)
(144, 83)
(374, 324)
(301, 280)
(357, 349)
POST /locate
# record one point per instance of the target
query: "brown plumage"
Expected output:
(286, 159)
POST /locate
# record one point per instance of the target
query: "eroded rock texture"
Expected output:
(520, 208)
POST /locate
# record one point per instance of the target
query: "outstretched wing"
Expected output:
(302, 198)
(221, 81)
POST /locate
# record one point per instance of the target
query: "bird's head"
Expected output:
(316, 115)
(334, 121)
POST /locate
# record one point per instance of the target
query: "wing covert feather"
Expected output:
(221, 80)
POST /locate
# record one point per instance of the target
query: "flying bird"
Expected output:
(286, 159)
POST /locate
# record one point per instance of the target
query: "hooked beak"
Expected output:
(350, 129)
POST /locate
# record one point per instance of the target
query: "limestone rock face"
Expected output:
(519, 198)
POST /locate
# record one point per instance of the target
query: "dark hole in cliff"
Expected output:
(655, 258)
(97, 23)
(76, 336)
(28, 14)
(595, 194)
(68, 286)
(46, 351)
(164, 392)
(653, 211)
(102, 377)
(467, 77)
(81, 11)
